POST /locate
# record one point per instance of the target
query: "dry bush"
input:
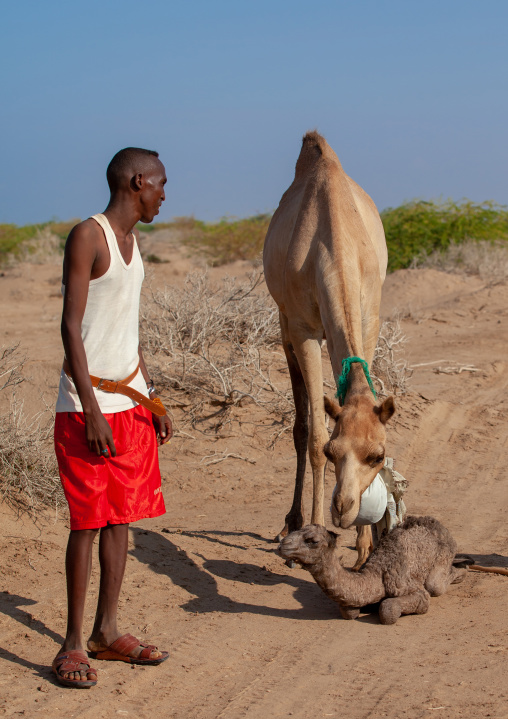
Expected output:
(46, 246)
(11, 366)
(489, 260)
(390, 369)
(216, 347)
(29, 477)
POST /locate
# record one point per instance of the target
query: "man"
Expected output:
(106, 441)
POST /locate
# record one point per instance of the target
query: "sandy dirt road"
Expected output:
(248, 637)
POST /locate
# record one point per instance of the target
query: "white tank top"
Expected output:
(110, 329)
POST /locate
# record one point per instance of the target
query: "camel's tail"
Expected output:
(464, 560)
(492, 570)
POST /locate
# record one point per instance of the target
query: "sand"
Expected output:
(247, 636)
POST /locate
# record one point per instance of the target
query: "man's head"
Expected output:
(140, 174)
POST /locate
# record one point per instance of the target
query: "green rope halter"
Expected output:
(342, 380)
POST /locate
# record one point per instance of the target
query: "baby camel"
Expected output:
(411, 564)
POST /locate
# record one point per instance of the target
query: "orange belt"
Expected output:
(121, 387)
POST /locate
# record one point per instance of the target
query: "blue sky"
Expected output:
(412, 96)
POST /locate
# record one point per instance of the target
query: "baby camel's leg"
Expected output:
(440, 579)
(349, 612)
(415, 603)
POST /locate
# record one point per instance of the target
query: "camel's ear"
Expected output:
(385, 410)
(332, 408)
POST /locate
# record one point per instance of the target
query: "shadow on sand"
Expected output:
(163, 555)
(10, 606)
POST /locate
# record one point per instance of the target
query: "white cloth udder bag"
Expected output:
(373, 502)
(381, 503)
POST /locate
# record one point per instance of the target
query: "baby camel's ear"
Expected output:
(385, 410)
(332, 408)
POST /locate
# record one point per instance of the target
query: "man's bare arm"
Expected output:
(81, 255)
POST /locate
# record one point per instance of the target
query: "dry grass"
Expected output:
(489, 260)
(390, 369)
(217, 348)
(29, 477)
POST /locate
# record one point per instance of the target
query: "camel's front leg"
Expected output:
(416, 603)
(295, 518)
(308, 353)
(364, 545)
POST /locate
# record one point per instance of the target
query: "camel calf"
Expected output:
(411, 564)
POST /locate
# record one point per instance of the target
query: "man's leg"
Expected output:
(78, 562)
(113, 545)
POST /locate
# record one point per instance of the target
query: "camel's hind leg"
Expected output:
(416, 603)
(295, 519)
(441, 577)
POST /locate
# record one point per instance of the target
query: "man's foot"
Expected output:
(127, 649)
(72, 669)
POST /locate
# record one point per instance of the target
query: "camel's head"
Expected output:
(307, 545)
(357, 449)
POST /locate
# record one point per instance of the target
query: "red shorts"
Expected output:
(110, 490)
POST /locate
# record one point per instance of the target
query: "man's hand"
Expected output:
(99, 436)
(163, 428)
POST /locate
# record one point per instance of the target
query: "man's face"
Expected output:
(152, 193)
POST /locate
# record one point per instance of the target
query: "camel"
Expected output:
(325, 263)
(410, 564)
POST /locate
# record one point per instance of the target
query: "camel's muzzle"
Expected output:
(343, 513)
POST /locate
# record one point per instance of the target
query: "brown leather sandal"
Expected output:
(122, 647)
(72, 661)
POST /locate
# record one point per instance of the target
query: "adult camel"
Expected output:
(325, 263)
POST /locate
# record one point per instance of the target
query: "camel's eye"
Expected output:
(311, 542)
(373, 461)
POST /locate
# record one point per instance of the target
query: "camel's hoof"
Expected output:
(349, 612)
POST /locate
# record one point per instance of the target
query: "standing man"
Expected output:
(106, 441)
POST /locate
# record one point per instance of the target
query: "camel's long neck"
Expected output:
(352, 589)
(357, 381)
(350, 279)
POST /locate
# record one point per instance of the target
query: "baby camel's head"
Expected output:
(308, 545)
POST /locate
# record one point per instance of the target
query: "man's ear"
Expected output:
(136, 182)
(385, 410)
(332, 408)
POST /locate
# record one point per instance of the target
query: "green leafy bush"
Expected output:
(16, 240)
(413, 231)
(419, 228)
(229, 239)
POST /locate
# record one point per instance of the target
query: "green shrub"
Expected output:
(16, 240)
(419, 228)
(414, 230)
(12, 238)
(229, 239)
